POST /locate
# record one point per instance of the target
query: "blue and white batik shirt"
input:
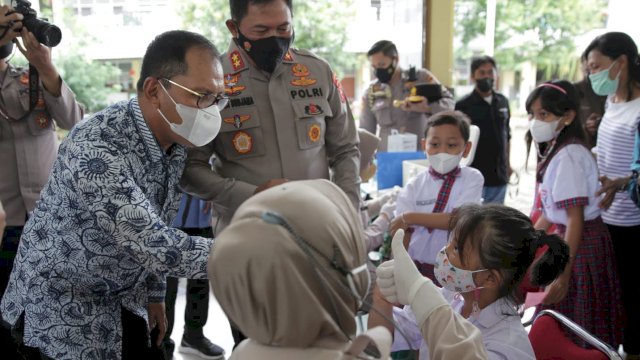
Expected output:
(98, 239)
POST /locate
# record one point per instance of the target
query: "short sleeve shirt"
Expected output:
(571, 179)
(420, 195)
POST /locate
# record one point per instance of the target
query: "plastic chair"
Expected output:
(550, 342)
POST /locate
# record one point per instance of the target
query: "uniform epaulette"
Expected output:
(304, 53)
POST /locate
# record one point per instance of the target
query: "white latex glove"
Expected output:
(400, 281)
(388, 208)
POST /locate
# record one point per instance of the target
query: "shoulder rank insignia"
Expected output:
(301, 73)
(314, 132)
(236, 60)
(242, 142)
(237, 120)
(338, 85)
(231, 87)
(287, 57)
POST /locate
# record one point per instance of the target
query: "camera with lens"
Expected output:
(45, 32)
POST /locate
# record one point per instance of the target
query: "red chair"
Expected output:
(550, 341)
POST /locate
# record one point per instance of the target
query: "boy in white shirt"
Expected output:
(424, 206)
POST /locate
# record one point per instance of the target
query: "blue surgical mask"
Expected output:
(602, 84)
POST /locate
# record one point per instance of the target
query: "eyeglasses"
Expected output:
(204, 100)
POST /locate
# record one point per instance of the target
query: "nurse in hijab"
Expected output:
(290, 272)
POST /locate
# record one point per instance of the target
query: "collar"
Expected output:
(239, 59)
(150, 143)
(479, 97)
(497, 311)
(436, 175)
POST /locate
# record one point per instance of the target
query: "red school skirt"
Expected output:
(593, 298)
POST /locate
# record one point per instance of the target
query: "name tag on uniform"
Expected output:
(425, 202)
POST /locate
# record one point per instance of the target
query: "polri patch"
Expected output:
(314, 132)
(242, 142)
(313, 109)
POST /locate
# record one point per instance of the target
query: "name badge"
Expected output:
(425, 202)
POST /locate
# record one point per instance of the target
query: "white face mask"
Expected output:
(542, 131)
(443, 163)
(199, 126)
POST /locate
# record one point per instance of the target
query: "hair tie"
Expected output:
(553, 86)
(538, 240)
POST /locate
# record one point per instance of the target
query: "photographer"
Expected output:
(9, 24)
(28, 142)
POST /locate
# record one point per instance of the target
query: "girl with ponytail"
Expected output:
(614, 67)
(488, 254)
(587, 291)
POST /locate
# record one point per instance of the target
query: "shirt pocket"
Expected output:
(39, 122)
(240, 134)
(310, 122)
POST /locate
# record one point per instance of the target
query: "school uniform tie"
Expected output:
(445, 189)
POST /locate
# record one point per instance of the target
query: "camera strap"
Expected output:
(34, 88)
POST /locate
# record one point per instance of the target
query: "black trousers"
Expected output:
(627, 248)
(197, 305)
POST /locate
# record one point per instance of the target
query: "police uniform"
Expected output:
(378, 109)
(28, 142)
(295, 124)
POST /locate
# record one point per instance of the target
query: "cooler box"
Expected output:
(390, 171)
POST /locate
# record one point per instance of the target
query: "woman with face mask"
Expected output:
(490, 249)
(614, 70)
(290, 271)
(588, 290)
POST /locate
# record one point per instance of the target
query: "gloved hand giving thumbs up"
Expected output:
(400, 282)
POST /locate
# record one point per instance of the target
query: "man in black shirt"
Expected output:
(489, 111)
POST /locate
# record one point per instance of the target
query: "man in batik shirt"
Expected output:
(88, 281)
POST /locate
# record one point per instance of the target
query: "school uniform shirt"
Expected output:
(420, 195)
(98, 239)
(503, 336)
(294, 123)
(570, 179)
(616, 136)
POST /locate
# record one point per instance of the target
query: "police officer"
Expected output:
(287, 117)
(28, 141)
(394, 84)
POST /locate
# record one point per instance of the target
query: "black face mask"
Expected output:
(484, 85)
(6, 50)
(267, 53)
(384, 74)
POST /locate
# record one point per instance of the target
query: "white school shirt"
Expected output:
(503, 335)
(420, 195)
(571, 178)
(616, 138)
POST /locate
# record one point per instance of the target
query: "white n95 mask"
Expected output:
(542, 131)
(199, 126)
(443, 163)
